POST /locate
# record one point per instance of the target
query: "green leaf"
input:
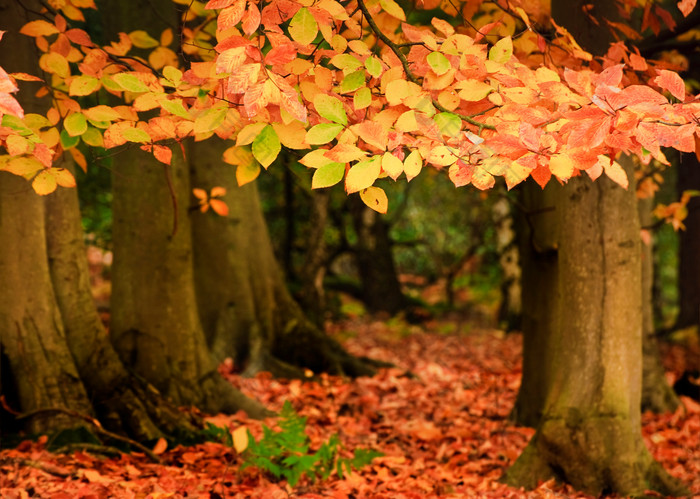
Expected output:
(75, 124)
(346, 62)
(449, 124)
(502, 50)
(129, 82)
(323, 133)
(363, 174)
(92, 137)
(210, 120)
(328, 175)
(439, 63)
(175, 107)
(136, 135)
(68, 141)
(352, 81)
(374, 67)
(303, 27)
(362, 98)
(266, 146)
(330, 108)
(16, 124)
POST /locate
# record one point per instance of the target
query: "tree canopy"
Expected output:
(363, 89)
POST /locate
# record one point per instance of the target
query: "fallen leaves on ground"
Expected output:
(440, 417)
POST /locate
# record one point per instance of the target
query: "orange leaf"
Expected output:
(161, 446)
(669, 80)
(219, 207)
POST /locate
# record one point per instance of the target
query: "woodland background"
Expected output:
(164, 310)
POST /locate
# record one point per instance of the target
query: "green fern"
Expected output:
(285, 454)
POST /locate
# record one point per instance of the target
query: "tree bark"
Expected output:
(154, 326)
(589, 434)
(245, 307)
(41, 372)
(538, 241)
(123, 403)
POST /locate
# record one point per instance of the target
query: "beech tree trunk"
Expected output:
(32, 337)
(40, 372)
(122, 402)
(590, 432)
(154, 324)
(538, 241)
(245, 307)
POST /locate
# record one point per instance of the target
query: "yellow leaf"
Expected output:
(413, 164)
(442, 156)
(143, 40)
(247, 172)
(44, 183)
(392, 165)
(393, 9)
(240, 438)
(396, 91)
(473, 90)
(375, 198)
(561, 166)
(616, 173)
(363, 174)
(64, 177)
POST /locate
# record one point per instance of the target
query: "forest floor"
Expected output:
(443, 432)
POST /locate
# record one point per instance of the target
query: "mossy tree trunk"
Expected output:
(155, 327)
(122, 402)
(538, 241)
(245, 307)
(39, 372)
(590, 431)
(58, 351)
(32, 336)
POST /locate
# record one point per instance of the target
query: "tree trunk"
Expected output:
(510, 310)
(657, 394)
(31, 330)
(381, 290)
(689, 246)
(155, 327)
(245, 307)
(40, 372)
(590, 432)
(312, 296)
(123, 403)
(538, 241)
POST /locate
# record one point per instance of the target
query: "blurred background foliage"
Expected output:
(443, 240)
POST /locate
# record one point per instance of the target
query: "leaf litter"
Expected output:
(440, 418)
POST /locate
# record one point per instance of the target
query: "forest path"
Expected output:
(444, 432)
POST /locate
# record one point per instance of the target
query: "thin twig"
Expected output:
(406, 67)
